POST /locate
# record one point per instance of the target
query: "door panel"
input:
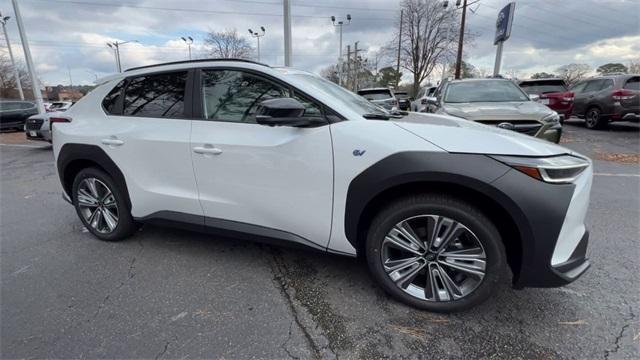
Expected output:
(276, 177)
(150, 142)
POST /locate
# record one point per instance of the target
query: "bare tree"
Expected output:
(573, 73)
(424, 37)
(8, 86)
(228, 44)
(634, 66)
(330, 73)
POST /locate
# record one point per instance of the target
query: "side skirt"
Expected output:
(229, 229)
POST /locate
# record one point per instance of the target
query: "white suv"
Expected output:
(439, 206)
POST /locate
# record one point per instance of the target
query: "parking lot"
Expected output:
(170, 293)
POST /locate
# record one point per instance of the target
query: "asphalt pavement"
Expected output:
(169, 293)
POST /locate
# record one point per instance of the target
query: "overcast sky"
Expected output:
(70, 35)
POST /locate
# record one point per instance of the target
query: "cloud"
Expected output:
(72, 35)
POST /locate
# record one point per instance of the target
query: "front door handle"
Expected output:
(207, 149)
(112, 141)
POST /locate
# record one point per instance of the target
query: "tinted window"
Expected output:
(633, 83)
(112, 103)
(311, 109)
(608, 84)
(594, 85)
(484, 91)
(230, 95)
(160, 95)
(578, 88)
(543, 87)
(375, 94)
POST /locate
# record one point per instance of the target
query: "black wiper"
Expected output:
(398, 113)
(375, 116)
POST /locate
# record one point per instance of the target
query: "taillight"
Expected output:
(568, 96)
(53, 120)
(622, 94)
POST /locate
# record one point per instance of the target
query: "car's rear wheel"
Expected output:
(435, 252)
(101, 205)
(593, 118)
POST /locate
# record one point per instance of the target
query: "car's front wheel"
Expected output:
(435, 252)
(101, 205)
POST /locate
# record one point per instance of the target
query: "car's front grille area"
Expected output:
(529, 127)
(34, 124)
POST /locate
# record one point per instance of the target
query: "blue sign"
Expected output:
(503, 24)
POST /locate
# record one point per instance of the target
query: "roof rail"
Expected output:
(194, 61)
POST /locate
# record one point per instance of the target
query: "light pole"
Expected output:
(340, 24)
(4, 20)
(116, 49)
(257, 35)
(35, 87)
(462, 24)
(188, 40)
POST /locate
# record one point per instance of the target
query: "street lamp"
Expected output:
(4, 20)
(462, 23)
(188, 40)
(340, 24)
(257, 35)
(116, 49)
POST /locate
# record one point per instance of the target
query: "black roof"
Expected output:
(194, 61)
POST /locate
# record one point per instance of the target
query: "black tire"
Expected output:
(126, 226)
(445, 206)
(594, 119)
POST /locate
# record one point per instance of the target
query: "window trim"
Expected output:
(188, 98)
(198, 108)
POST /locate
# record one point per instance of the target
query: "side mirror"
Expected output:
(432, 100)
(284, 112)
(534, 97)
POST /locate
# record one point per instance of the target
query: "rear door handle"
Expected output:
(112, 141)
(207, 149)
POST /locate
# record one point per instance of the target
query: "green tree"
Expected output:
(611, 68)
(388, 76)
(542, 75)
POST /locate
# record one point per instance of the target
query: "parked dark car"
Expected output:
(552, 92)
(603, 99)
(404, 100)
(13, 113)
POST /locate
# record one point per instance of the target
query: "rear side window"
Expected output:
(112, 103)
(158, 95)
(608, 84)
(633, 83)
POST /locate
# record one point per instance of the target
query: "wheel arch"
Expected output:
(465, 176)
(72, 158)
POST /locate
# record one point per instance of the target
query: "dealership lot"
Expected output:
(169, 293)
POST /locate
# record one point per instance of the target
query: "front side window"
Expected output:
(157, 95)
(234, 96)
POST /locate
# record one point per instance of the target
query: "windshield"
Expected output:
(543, 87)
(345, 97)
(57, 105)
(484, 91)
(375, 94)
(401, 95)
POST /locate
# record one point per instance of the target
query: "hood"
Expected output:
(513, 110)
(463, 136)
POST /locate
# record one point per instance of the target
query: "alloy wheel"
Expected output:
(97, 204)
(592, 118)
(433, 258)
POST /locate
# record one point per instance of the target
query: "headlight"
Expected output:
(551, 118)
(557, 169)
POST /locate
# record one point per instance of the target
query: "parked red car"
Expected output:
(553, 93)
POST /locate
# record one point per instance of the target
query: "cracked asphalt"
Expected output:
(168, 293)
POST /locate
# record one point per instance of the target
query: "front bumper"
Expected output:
(550, 219)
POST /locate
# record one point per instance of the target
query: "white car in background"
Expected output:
(60, 106)
(38, 127)
(420, 103)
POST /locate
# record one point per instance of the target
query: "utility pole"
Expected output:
(188, 40)
(399, 46)
(340, 24)
(4, 20)
(257, 35)
(70, 79)
(356, 65)
(37, 95)
(287, 32)
(459, 58)
(348, 66)
(116, 48)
